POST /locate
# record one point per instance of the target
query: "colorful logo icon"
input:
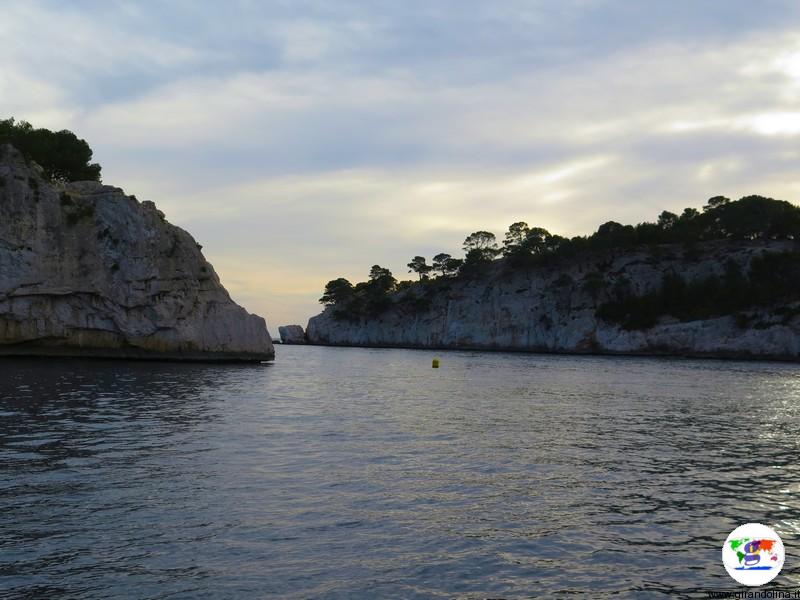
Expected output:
(753, 554)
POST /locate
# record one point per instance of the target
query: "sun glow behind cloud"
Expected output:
(301, 143)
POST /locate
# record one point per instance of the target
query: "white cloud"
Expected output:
(773, 123)
(64, 45)
(302, 148)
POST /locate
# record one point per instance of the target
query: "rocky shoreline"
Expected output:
(652, 353)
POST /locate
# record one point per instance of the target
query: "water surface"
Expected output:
(348, 473)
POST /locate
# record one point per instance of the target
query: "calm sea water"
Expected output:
(355, 473)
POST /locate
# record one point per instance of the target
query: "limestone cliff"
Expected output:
(292, 334)
(86, 270)
(555, 309)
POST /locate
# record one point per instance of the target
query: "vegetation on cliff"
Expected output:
(771, 281)
(63, 156)
(771, 278)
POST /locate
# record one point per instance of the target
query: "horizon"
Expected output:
(359, 135)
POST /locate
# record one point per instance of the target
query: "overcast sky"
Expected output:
(304, 141)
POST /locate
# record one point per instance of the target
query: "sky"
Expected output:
(301, 141)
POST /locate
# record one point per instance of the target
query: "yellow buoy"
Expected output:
(435, 363)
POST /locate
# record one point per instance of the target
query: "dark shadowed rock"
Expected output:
(292, 334)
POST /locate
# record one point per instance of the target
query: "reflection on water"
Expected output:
(339, 473)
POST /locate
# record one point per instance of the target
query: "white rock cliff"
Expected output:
(552, 310)
(87, 271)
(292, 334)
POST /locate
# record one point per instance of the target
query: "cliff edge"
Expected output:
(86, 270)
(594, 304)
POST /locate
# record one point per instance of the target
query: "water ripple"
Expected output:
(347, 473)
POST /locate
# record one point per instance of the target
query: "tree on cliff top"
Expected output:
(749, 218)
(482, 241)
(420, 266)
(446, 265)
(337, 291)
(381, 280)
(62, 155)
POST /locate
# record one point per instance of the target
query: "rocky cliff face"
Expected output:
(554, 310)
(87, 271)
(292, 334)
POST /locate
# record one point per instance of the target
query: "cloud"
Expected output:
(287, 236)
(305, 141)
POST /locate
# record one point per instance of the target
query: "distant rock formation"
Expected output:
(292, 334)
(87, 271)
(555, 309)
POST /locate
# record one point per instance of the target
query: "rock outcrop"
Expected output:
(292, 334)
(554, 309)
(86, 270)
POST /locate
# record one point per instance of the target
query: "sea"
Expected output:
(337, 473)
